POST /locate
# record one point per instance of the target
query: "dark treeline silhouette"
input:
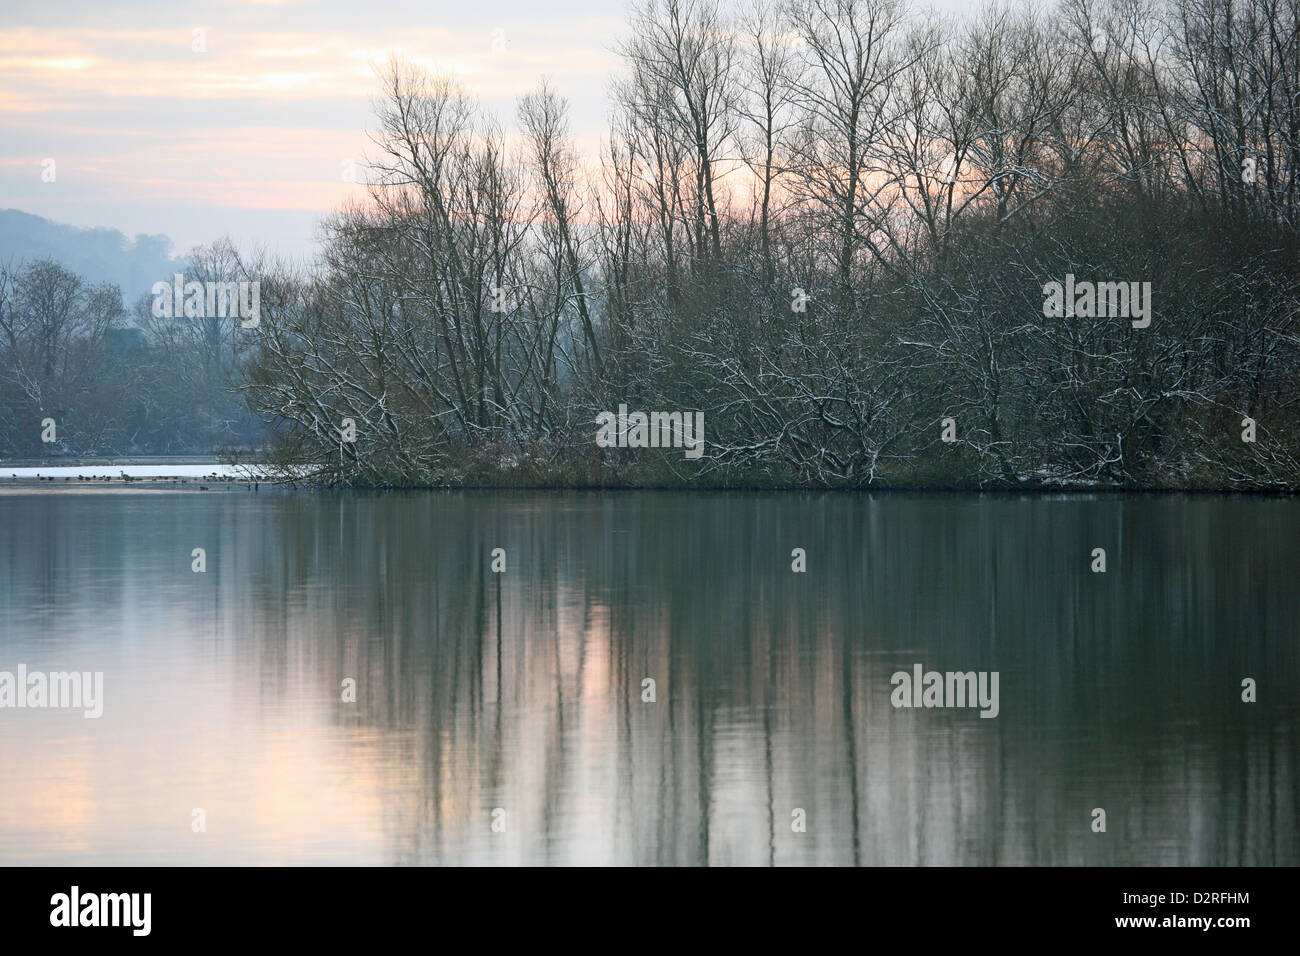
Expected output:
(828, 225)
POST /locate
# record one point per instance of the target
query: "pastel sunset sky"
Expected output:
(250, 136)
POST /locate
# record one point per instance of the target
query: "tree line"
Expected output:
(81, 374)
(828, 225)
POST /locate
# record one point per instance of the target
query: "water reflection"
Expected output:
(523, 691)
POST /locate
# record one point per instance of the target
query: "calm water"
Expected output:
(523, 690)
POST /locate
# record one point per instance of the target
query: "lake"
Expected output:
(348, 680)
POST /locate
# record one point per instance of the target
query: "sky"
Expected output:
(248, 127)
(203, 118)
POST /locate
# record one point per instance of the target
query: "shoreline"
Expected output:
(209, 476)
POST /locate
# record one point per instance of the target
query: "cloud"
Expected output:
(276, 100)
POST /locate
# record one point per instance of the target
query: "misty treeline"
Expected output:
(81, 374)
(827, 224)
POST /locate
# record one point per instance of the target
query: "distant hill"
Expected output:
(99, 254)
